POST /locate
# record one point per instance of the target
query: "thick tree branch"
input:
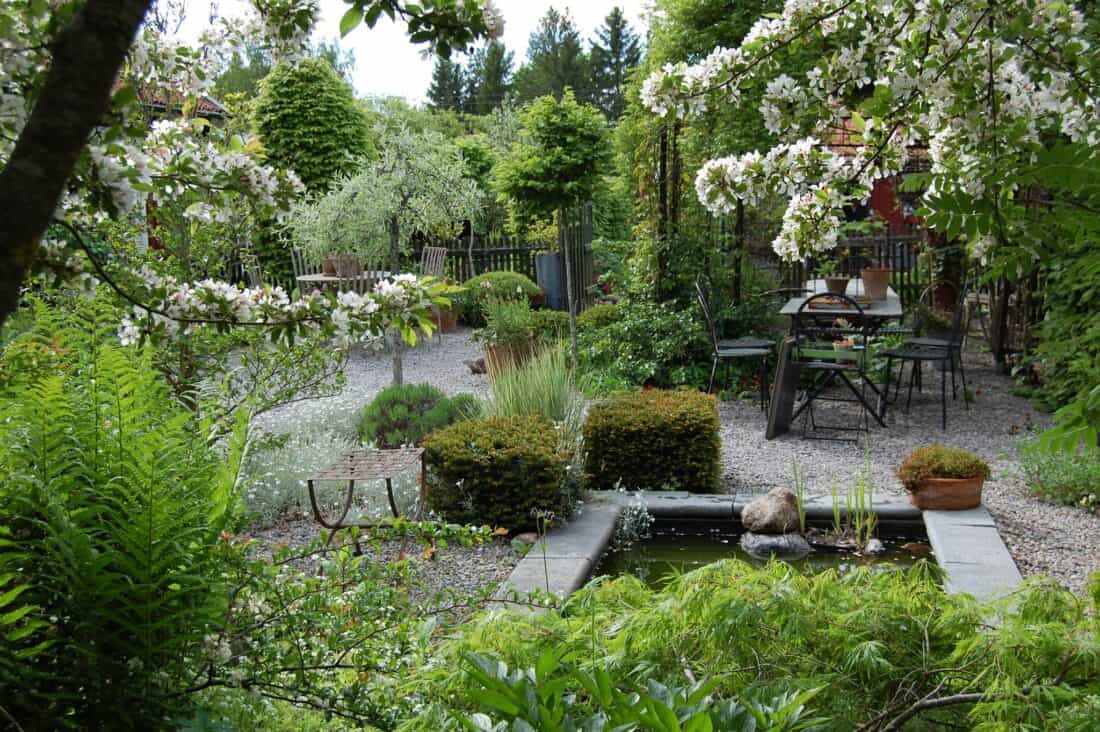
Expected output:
(74, 99)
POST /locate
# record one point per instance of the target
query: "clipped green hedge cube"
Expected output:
(499, 471)
(654, 440)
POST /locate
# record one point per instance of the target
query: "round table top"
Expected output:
(324, 278)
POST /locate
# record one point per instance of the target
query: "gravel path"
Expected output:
(1059, 541)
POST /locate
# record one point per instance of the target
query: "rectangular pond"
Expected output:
(675, 547)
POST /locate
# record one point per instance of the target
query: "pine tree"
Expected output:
(472, 79)
(555, 60)
(615, 51)
(496, 78)
(446, 90)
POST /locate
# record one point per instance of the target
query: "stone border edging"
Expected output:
(966, 544)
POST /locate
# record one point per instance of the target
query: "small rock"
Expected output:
(477, 365)
(874, 546)
(529, 538)
(780, 546)
(773, 513)
(915, 547)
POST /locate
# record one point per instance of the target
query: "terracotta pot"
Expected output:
(499, 358)
(843, 346)
(537, 301)
(446, 319)
(875, 281)
(948, 494)
(347, 265)
(837, 285)
(328, 267)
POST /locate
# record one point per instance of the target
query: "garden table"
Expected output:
(875, 312)
(364, 464)
(359, 283)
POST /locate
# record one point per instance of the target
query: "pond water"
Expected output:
(669, 551)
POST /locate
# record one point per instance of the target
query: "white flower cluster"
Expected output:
(982, 96)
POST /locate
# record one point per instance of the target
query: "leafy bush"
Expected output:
(508, 324)
(117, 505)
(497, 470)
(1069, 478)
(469, 303)
(651, 344)
(653, 440)
(873, 643)
(599, 316)
(550, 325)
(404, 414)
(937, 461)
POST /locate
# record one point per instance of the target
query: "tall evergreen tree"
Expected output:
(496, 78)
(472, 79)
(555, 60)
(615, 51)
(446, 90)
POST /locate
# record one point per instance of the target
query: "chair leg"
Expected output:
(713, 368)
(950, 363)
(914, 371)
(943, 393)
(962, 374)
(763, 383)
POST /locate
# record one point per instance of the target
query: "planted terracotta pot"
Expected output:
(875, 281)
(837, 285)
(499, 358)
(446, 319)
(948, 494)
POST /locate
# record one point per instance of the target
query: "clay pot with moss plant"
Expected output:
(943, 478)
(876, 280)
(509, 333)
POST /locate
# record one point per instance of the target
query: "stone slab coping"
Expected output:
(965, 543)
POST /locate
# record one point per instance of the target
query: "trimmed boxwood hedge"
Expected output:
(653, 440)
(497, 471)
(468, 303)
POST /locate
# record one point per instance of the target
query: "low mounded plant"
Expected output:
(1068, 478)
(550, 325)
(500, 285)
(403, 414)
(599, 316)
(500, 471)
(654, 440)
(938, 461)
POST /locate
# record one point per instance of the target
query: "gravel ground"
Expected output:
(459, 569)
(1058, 541)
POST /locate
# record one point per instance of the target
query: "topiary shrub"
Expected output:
(653, 440)
(937, 461)
(470, 301)
(404, 414)
(599, 316)
(497, 471)
(550, 325)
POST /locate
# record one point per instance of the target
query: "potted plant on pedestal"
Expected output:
(943, 478)
(509, 334)
(829, 269)
(876, 280)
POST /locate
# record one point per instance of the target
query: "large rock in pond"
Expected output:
(773, 513)
(779, 546)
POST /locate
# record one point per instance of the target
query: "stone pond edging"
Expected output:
(966, 544)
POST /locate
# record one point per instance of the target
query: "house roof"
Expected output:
(160, 100)
(845, 139)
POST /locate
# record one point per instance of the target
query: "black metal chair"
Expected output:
(814, 335)
(734, 349)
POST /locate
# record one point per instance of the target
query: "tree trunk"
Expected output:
(662, 213)
(566, 245)
(395, 335)
(470, 252)
(738, 250)
(75, 98)
(999, 323)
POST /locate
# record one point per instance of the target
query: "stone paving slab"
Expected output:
(971, 552)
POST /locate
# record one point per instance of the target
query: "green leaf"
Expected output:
(351, 20)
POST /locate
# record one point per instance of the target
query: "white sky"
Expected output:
(387, 64)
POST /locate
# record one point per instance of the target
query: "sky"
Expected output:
(387, 64)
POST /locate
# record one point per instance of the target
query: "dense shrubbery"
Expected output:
(470, 302)
(937, 461)
(1070, 478)
(658, 344)
(404, 414)
(498, 471)
(599, 316)
(550, 325)
(653, 440)
(872, 643)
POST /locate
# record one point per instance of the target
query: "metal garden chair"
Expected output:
(730, 350)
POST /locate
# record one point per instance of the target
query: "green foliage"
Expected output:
(470, 302)
(937, 461)
(556, 61)
(1068, 477)
(615, 53)
(509, 324)
(404, 414)
(599, 316)
(117, 505)
(498, 471)
(550, 325)
(559, 164)
(871, 643)
(542, 386)
(308, 121)
(656, 344)
(653, 440)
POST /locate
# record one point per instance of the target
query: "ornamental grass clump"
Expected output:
(653, 440)
(500, 471)
(403, 414)
(937, 461)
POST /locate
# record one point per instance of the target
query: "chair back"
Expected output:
(959, 316)
(433, 260)
(815, 331)
(701, 296)
(301, 265)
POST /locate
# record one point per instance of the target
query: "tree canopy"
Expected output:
(615, 51)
